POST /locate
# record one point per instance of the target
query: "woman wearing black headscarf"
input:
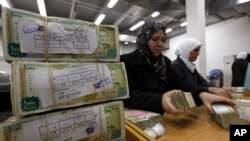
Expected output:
(150, 75)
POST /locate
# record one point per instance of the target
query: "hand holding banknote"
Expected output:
(167, 106)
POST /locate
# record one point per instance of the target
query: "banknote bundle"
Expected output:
(29, 36)
(225, 115)
(142, 119)
(183, 100)
(243, 109)
(102, 122)
(238, 93)
(41, 86)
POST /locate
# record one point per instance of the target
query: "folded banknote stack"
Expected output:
(183, 100)
(243, 109)
(58, 65)
(238, 93)
(142, 119)
(31, 36)
(41, 86)
(90, 123)
(225, 115)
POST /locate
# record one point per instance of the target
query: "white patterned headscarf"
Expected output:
(183, 50)
(242, 55)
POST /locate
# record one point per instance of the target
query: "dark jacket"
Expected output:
(239, 68)
(188, 81)
(146, 89)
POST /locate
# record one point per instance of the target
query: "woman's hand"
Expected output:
(226, 92)
(167, 105)
(208, 99)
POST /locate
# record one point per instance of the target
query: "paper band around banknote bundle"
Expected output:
(30, 36)
(43, 86)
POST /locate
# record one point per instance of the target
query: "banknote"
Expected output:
(100, 122)
(237, 95)
(225, 115)
(30, 36)
(142, 119)
(183, 100)
(43, 86)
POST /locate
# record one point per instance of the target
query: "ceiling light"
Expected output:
(112, 3)
(136, 25)
(2, 72)
(4, 3)
(41, 7)
(183, 24)
(155, 14)
(99, 19)
(168, 30)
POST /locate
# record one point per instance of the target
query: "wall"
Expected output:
(222, 39)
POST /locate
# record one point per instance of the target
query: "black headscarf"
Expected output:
(147, 30)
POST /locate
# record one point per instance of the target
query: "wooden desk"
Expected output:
(194, 124)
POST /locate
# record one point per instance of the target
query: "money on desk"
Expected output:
(89, 123)
(225, 115)
(183, 100)
(142, 119)
(29, 36)
(243, 109)
(44, 86)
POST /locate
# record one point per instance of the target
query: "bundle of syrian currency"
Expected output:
(243, 109)
(238, 93)
(142, 119)
(42, 86)
(225, 115)
(29, 36)
(183, 100)
(100, 122)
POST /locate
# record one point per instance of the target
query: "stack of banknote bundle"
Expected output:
(89, 123)
(42, 86)
(243, 109)
(238, 93)
(142, 119)
(58, 65)
(225, 115)
(183, 100)
(30, 36)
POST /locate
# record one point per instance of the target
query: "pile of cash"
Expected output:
(183, 100)
(30, 36)
(89, 123)
(60, 67)
(243, 109)
(41, 86)
(142, 119)
(225, 115)
(238, 93)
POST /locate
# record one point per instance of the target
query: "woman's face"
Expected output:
(156, 42)
(194, 54)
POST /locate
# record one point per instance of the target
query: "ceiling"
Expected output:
(128, 12)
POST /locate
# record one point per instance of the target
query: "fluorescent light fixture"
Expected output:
(137, 25)
(112, 3)
(41, 7)
(99, 19)
(168, 30)
(183, 24)
(155, 14)
(2, 72)
(4, 3)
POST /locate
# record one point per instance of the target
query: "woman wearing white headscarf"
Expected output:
(186, 75)
(239, 69)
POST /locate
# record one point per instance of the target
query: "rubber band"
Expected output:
(85, 34)
(46, 43)
(51, 81)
